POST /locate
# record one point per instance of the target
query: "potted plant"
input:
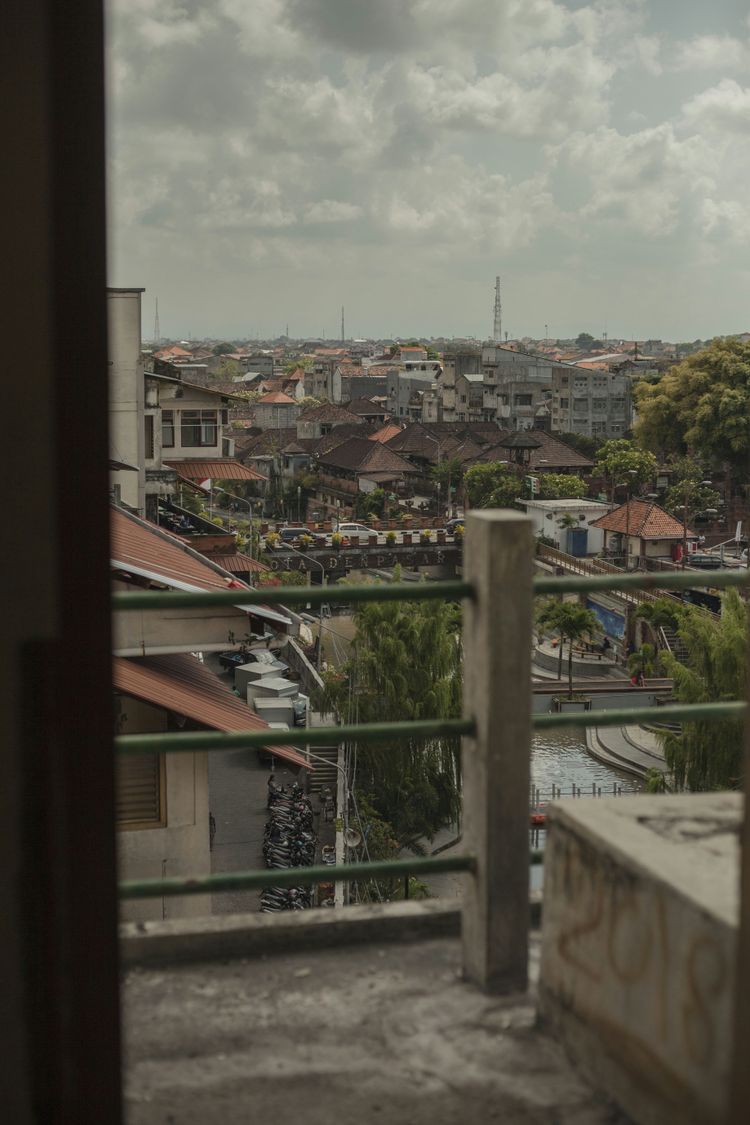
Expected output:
(305, 541)
(425, 535)
(390, 538)
(336, 539)
(458, 533)
(272, 539)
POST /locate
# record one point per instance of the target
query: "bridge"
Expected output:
(336, 562)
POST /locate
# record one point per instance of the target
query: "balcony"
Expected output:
(383, 1008)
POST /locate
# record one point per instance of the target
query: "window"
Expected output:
(149, 450)
(198, 427)
(463, 398)
(598, 427)
(167, 429)
(522, 400)
(581, 405)
(564, 403)
(225, 417)
(600, 404)
(140, 791)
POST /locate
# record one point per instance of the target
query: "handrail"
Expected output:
(293, 595)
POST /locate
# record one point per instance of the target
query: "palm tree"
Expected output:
(572, 622)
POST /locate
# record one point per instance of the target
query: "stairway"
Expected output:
(324, 775)
(672, 642)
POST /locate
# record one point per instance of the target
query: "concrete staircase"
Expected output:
(673, 643)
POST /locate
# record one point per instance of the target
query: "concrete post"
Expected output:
(498, 558)
(739, 1088)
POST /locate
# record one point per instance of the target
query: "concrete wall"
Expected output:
(180, 849)
(638, 954)
(126, 393)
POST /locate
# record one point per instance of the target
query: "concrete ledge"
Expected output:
(638, 948)
(219, 937)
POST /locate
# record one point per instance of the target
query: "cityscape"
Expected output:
(375, 698)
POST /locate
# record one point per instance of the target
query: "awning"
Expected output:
(181, 683)
(215, 469)
(239, 564)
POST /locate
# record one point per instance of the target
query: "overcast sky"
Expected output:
(273, 159)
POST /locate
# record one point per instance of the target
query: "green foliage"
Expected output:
(223, 348)
(572, 622)
(621, 461)
(685, 484)
(660, 613)
(585, 341)
(560, 486)
(492, 485)
(405, 665)
(370, 504)
(642, 662)
(448, 474)
(702, 405)
(656, 782)
(282, 578)
(708, 755)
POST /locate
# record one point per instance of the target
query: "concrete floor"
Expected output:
(354, 1034)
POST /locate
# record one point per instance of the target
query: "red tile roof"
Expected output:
(239, 564)
(386, 433)
(181, 683)
(223, 468)
(275, 398)
(643, 520)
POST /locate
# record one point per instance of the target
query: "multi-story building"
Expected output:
(593, 402)
(402, 384)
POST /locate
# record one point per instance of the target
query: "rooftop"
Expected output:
(645, 520)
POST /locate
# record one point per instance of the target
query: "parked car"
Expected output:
(291, 536)
(451, 525)
(704, 562)
(356, 529)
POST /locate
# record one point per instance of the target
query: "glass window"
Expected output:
(167, 428)
(198, 427)
(149, 444)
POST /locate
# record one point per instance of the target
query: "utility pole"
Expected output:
(343, 335)
(497, 328)
(157, 331)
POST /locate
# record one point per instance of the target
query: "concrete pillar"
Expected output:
(497, 675)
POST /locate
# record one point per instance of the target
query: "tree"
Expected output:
(620, 460)
(588, 446)
(448, 474)
(492, 485)
(405, 664)
(560, 486)
(584, 341)
(370, 504)
(223, 348)
(685, 482)
(572, 622)
(701, 405)
(708, 755)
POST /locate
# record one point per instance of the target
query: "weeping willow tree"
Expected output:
(708, 755)
(405, 664)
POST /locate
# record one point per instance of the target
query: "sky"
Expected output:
(271, 160)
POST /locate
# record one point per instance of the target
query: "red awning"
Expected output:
(181, 683)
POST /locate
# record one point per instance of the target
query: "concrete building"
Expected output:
(553, 519)
(593, 402)
(276, 411)
(126, 397)
(402, 385)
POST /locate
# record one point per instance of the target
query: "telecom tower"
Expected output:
(157, 332)
(497, 329)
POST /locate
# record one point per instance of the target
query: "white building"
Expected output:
(126, 397)
(553, 519)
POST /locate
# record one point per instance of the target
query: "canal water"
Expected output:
(560, 759)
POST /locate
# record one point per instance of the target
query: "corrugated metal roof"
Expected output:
(239, 564)
(221, 468)
(144, 547)
(181, 683)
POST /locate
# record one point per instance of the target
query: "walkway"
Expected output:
(630, 748)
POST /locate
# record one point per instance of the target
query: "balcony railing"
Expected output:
(497, 593)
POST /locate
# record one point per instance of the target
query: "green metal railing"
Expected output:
(193, 741)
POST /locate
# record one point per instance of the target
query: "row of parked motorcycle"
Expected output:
(289, 841)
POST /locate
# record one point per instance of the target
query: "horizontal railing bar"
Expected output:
(624, 716)
(581, 583)
(294, 876)
(293, 595)
(197, 740)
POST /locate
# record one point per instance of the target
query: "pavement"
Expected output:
(368, 1034)
(631, 748)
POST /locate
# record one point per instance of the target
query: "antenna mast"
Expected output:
(157, 332)
(497, 328)
(343, 337)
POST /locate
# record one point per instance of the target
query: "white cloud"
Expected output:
(725, 107)
(332, 211)
(710, 52)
